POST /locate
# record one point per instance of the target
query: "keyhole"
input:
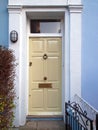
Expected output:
(45, 78)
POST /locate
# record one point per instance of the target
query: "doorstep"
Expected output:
(44, 118)
(44, 125)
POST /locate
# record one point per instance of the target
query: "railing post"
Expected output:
(91, 125)
(76, 118)
(66, 121)
(97, 121)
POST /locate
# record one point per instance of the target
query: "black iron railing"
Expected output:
(76, 118)
(96, 121)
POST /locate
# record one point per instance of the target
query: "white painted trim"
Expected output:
(16, 48)
(47, 113)
(45, 2)
(38, 2)
(67, 56)
(45, 35)
(14, 9)
(75, 8)
(74, 2)
(75, 51)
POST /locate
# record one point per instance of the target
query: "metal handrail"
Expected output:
(74, 115)
(91, 111)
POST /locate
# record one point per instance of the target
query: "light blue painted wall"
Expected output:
(90, 52)
(3, 23)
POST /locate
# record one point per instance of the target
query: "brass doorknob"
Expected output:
(45, 78)
(45, 56)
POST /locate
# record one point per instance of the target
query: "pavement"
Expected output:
(42, 125)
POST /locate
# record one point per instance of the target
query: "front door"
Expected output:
(45, 76)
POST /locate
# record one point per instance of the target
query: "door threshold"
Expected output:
(44, 117)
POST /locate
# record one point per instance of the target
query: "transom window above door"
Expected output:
(45, 26)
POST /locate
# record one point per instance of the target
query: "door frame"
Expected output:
(71, 51)
(47, 36)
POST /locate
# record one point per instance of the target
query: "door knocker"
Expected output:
(45, 56)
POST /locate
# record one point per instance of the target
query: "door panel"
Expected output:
(52, 69)
(38, 97)
(52, 98)
(45, 76)
(37, 69)
(37, 46)
(52, 45)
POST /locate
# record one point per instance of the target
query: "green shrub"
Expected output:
(7, 93)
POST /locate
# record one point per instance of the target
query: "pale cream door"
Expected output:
(45, 76)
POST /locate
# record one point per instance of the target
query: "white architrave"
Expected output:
(15, 24)
(16, 2)
(38, 2)
(44, 2)
(75, 50)
(71, 56)
(66, 52)
(74, 2)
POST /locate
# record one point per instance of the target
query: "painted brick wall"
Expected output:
(3, 23)
(90, 52)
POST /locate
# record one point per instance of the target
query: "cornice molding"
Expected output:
(75, 8)
(71, 8)
(14, 8)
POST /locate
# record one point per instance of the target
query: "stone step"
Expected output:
(44, 125)
(44, 118)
